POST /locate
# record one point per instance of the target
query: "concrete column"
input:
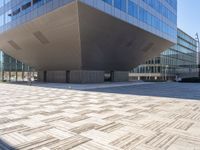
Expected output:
(84, 76)
(9, 74)
(22, 75)
(138, 77)
(16, 78)
(120, 76)
(3, 75)
(67, 76)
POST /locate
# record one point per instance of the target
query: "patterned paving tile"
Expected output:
(42, 118)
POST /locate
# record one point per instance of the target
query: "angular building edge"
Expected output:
(81, 47)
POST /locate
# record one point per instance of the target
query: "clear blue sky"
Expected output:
(189, 16)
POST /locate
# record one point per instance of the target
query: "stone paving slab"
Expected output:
(41, 118)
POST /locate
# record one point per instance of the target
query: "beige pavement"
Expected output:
(44, 118)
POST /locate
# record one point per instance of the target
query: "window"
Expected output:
(16, 12)
(36, 1)
(120, 4)
(1, 20)
(132, 9)
(25, 6)
(141, 14)
(108, 1)
(159, 7)
(1, 3)
(149, 19)
(7, 1)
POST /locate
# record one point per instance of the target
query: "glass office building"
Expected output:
(86, 35)
(12, 69)
(179, 60)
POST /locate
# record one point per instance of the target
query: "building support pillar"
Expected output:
(3, 76)
(16, 77)
(9, 74)
(138, 77)
(22, 75)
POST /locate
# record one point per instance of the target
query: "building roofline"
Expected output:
(178, 29)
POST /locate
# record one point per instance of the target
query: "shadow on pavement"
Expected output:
(170, 90)
(5, 146)
(160, 89)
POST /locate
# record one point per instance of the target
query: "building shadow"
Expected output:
(5, 146)
(190, 91)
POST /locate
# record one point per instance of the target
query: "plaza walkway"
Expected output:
(135, 117)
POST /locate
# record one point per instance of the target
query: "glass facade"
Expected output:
(179, 60)
(12, 69)
(16, 12)
(156, 16)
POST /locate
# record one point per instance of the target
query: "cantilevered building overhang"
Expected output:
(77, 36)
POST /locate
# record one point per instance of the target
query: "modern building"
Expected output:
(198, 51)
(79, 40)
(14, 70)
(179, 61)
(199, 62)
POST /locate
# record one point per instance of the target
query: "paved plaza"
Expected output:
(152, 116)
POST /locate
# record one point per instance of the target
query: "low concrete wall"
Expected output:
(82, 76)
(56, 76)
(120, 76)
